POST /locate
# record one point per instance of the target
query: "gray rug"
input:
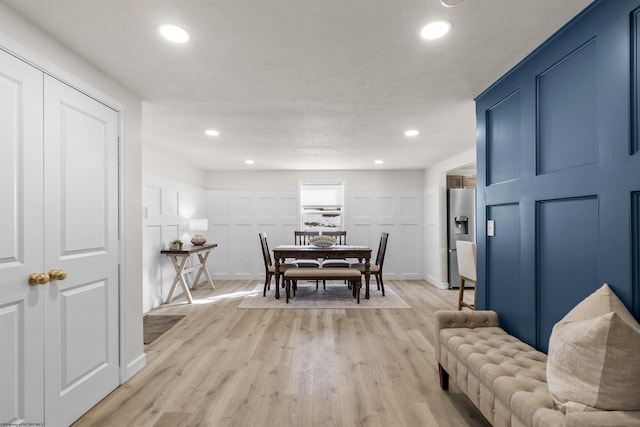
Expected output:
(335, 296)
(157, 324)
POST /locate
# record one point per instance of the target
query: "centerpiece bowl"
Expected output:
(322, 241)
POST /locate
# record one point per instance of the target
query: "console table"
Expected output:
(179, 260)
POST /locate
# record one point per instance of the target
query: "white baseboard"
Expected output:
(437, 283)
(136, 365)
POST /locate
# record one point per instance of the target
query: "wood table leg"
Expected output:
(179, 268)
(203, 269)
(367, 276)
(277, 274)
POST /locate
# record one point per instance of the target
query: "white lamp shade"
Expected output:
(450, 3)
(199, 224)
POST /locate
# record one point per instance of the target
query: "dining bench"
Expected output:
(349, 274)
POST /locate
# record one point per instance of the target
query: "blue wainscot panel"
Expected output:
(567, 269)
(503, 140)
(503, 288)
(635, 252)
(567, 119)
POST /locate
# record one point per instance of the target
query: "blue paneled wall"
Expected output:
(559, 174)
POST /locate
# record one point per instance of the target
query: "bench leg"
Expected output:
(287, 286)
(444, 378)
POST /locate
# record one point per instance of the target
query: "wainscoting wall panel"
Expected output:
(386, 207)
(221, 259)
(153, 265)
(237, 216)
(399, 213)
(361, 233)
(245, 213)
(152, 200)
(634, 144)
(503, 142)
(567, 221)
(240, 215)
(635, 249)
(567, 111)
(503, 266)
(167, 207)
(360, 207)
(409, 262)
(567, 256)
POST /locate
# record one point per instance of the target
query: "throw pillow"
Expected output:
(593, 355)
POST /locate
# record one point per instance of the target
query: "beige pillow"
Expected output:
(593, 355)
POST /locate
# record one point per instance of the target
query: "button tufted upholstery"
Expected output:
(504, 377)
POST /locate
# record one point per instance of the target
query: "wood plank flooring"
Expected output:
(224, 366)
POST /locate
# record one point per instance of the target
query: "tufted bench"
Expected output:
(504, 377)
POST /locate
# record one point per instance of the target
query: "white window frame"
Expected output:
(315, 208)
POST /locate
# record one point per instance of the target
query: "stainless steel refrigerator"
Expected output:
(461, 212)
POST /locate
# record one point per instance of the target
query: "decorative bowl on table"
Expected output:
(198, 240)
(322, 241)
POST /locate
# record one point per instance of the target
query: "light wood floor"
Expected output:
(224, 366)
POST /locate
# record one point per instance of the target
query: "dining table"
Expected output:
(284, 252)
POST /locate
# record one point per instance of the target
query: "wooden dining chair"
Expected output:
(341, 239)
(467, 270)
(269, 267)
(376, 269)
(339, 235)
(303, 237)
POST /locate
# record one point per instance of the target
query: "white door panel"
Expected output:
(81, 232)
(85, 309)
(21, 210)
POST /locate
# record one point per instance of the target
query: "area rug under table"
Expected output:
(336, 295)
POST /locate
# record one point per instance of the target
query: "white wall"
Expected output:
(288, 180)
(18, 34)
(167, 206)
(242, 204)
(157, 161)
(237, 214)
(435, 222)
(410, 205)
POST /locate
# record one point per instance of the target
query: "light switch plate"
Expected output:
(491, 228)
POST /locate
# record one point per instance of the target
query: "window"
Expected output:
(321, 206)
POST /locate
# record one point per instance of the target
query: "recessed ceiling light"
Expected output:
(173, 33)
(450, 3)
(435, 30)
(249, 162)
(212, 132)
(378, 162)
(412, 132)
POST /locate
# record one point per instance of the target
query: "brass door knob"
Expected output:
(57, 275)
(38, 279)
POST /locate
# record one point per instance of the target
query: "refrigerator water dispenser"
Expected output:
(462, 224)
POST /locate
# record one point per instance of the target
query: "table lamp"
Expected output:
(198, 225)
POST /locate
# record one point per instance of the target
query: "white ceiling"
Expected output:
(304, 84)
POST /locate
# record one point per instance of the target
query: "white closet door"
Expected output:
(21, 305)
(81, 238)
